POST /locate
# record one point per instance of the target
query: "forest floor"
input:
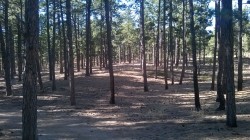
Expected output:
(137, 115)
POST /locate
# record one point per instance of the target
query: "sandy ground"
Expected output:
(155, 115)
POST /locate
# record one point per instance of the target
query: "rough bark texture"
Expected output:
(227, 41)
(195, 77)
(142, 40)
(29, 109)
(110, 55)
(71, 59)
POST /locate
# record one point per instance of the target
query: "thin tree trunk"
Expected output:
(19, 51)
(53, 48)
(48, 41)
(110, 50)
(165, 46)
(195, 77)
(171, 41)
(71, 58)
(39, 73)
(88, 35)
(177, 60)
(184, 47)
(12, 54)
(76, 43)
(142, 35)
(60, 44)
(7, 50)
(217, 13)
(29, 109)
(157, 40)
(240, 75)
(65, 48)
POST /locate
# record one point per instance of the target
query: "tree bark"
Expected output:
(184, 47)
(60, 43)
(48, 41)
(195, 77)
(110, 50)
(165, 46)
(65, 48)
(29, 109)
(19, 50)
(143, 49)
(227, 40)
(71, 58)
(77, 47)
(12, 54)
(171, 41)
(240, 75)
(53, 48)
(7, 50)
(157, 40)
(88, 36)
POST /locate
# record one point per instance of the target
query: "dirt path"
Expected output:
(155, 115)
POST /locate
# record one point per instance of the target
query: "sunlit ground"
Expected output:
(157, 114)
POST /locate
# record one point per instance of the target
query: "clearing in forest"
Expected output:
(158, 114)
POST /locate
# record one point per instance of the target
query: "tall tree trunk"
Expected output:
(221, 59)
(217, 13)
(195, 77)
(53, 48)
(48, 41)
(71, 58)
(5, 64)
(7, 50)
(227, 40)
(157, 40)
(12, 54)
(65, 48)
(199, 51)
(110, 50)
(165, 46)
(171, 41)
(184, 47)
(143, 49)
(102, 38)
(29, 109)
(19, 50)
(177, 52)
(88, 35)
(240, 75)
(78, 52)
(60, 43)
(82, 63)
(39, 73)
(76, 43)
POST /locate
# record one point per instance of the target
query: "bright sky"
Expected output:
(235, 5)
